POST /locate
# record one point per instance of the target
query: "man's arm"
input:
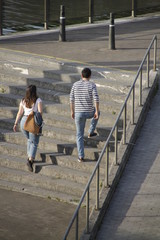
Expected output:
(96, 115)
(72, 110)
(72, 102)
(96, 102)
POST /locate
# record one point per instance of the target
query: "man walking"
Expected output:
(84, 104)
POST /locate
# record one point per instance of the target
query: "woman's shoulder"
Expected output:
(39, 100)
(22, 102)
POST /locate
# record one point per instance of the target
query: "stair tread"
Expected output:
(37, 191)
(64, 155)
(36, 179)
(45, 102)
(43, 168)
(58, 159)
(68, 125)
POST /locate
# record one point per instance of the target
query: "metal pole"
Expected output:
(107, 167)
(91, 11)
(116, 144)
(140, 89)
(111, 32)
(97, 188)
(1, 18)
(76, 233)
(155, 53)
(62, 34)
(87, 211)
(148, 67)
(46, 13)
(124, 124)
(133, 96)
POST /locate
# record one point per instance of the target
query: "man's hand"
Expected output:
(72, 110)
(96, 115)
(72, 115)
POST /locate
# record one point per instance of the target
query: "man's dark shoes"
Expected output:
(29, 165)
(92, 135)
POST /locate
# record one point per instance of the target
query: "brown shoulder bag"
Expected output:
(30, 124)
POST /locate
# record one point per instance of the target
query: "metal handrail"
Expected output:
(106, 146)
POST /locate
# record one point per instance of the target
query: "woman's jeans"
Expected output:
(32, 142)
(80, 121)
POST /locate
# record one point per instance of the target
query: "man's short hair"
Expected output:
(86, 73)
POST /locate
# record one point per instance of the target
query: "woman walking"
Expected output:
(31, 102)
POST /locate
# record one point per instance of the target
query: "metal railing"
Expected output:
(123, 112)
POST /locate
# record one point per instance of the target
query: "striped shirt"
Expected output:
(83, 95)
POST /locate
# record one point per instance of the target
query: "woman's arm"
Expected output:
(40, 108)
(18, 117)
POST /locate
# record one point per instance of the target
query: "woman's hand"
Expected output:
(15, 127)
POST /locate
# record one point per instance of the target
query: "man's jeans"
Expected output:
(32, 140)
(80, 121)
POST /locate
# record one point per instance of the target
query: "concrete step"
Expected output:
(9, 151)
(8, 111)
(59, 114)
(51, 84)
(38, 191)
(7, 80)
(8, 56)
(46, 95)
(113, 78)
(15, 144)
(62, 76)
(88, 165)
(61, 96)
(24, 61)
(9, 67)
(45, 182)
(8, 115)
(59, 134)
(106, 118)
(9, 107)
(46, 169)
(45, 144)
(10, 100)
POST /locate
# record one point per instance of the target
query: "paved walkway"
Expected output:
(25, 217)
(136, 213)
(88, 43)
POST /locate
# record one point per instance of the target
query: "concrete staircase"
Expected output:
(57, 173)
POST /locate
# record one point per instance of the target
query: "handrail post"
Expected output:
(97, 188)
(124, 123)
(76, 229)
(87, 212)
(155, 53)
(116, 144)
(148, 68)
(107, 167)
(140, 88)
(132, 113)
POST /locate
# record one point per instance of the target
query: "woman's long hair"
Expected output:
(31, 96)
